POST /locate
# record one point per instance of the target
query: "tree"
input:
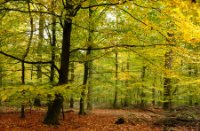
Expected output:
(55, 108)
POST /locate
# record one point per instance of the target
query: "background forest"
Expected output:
(99, 53)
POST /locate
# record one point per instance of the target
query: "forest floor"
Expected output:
(96, 120)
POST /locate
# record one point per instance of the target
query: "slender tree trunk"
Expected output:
(22, 113)
(154, 92)
(1, 75)
(126, 100)
(116, 81)
(89, 95)
(167, 82)
(190, 95)
(37, 101)
(1, 71)
(39, 47)
(143, 95)
(72, 79)
(23, 73)
(85, 80)
(90, 41)
(53, 45)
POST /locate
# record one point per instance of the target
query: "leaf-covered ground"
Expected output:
(97, 120)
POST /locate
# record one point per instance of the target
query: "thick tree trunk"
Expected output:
(65, 54)
(167, 82)
(54, 109)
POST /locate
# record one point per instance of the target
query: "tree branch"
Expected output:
(26, 11)
(31, 35)
(28, 62)
(123, 46)
(103, 4)
(144, 23)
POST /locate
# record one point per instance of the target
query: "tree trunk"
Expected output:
(37, 101)
(143, 95)
(55, 108)
(154, 92)
(53, 44)
(23, 73)
(190, 87)
(85, 80)
(116, 81)
(167, 82)
(39, 47)
(22, 114)
(71, 103)
(153, 97)
(90, 41)
(89, 95)
(126, 100)
(1, 76)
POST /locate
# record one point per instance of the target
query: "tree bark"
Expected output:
(116, 81)
(90, 88)
(71, 103)
(142, 95)
(54, 109)
(90, 41)
(37, 101)
(167, 82)
(53, 44)
(1, 75)
(85, 80)
(22, 114)
(126, 100)
(39, 47)
(23, 73)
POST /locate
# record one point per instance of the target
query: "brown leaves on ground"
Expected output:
(97, 120)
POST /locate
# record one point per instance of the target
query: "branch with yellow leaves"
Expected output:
(28, 62)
